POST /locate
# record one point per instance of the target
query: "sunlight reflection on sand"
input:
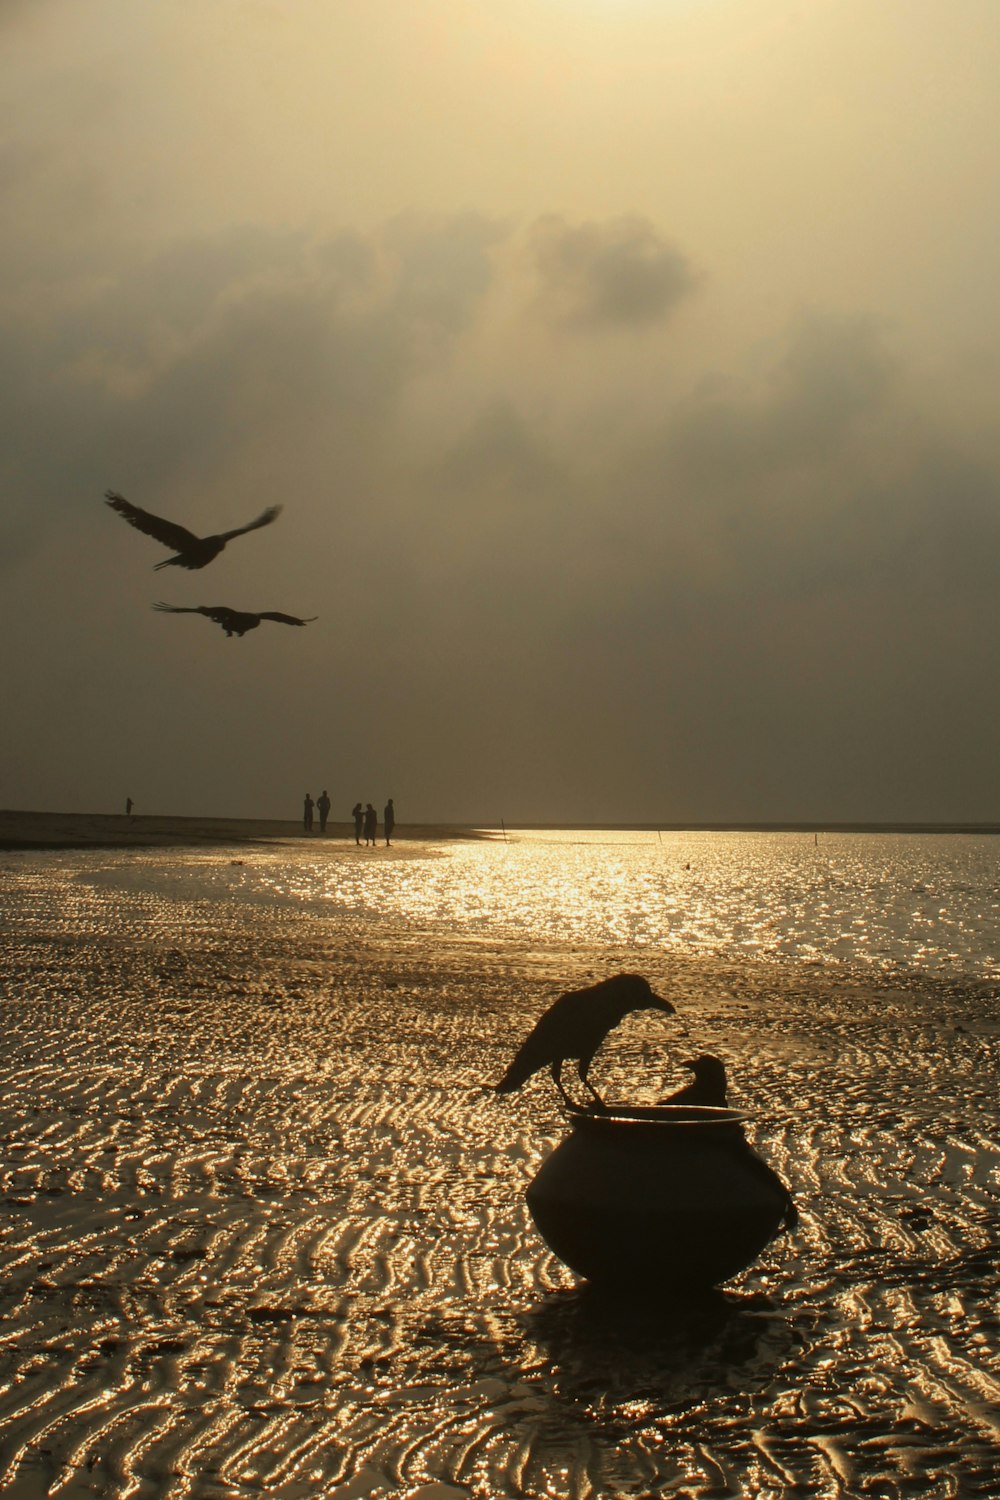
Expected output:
(264, 1231)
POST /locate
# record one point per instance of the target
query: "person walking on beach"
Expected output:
(371, 824)
(307, 814)
(129, 804)
(323, 808)
(358, 814)
(389, 819)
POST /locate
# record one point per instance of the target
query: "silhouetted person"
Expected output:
(389, 819)
(323, 808)
(128, 807)
(358, 814)
(192, 551)
(233, 621)
(371, 824)
(709, 1085)
(307, 813)
(575, 1025)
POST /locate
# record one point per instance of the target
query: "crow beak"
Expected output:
(690, 1062)
(658, 1003)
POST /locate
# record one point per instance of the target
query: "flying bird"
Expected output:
(233, 621)
(192, 551)
(709, 1086)
(574, 1026)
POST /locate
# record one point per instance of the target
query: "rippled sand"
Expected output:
(263, 1232)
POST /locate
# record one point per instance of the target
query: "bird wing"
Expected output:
(220, 613)
(272, 614)
(167, 532)
(271, 514)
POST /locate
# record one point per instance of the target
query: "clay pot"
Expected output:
(661, 1198)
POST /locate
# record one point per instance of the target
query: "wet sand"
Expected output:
(264, 1233)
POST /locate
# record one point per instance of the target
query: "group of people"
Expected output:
(366, 822)
(365, 818)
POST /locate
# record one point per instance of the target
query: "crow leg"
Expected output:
(556, 1071)
(583, 1070)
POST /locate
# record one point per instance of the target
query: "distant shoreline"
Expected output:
(988, 828)
(45, 830)
(49, 830)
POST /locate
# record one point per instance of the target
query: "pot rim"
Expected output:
(661, 1115)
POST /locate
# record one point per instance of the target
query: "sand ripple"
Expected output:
(264, 1233)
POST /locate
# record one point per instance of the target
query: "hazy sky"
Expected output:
(629, 373)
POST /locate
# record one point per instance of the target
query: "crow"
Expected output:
(233, 621)
(192, 551)
(709, 1085)
(709, 1088)
(574, 1026)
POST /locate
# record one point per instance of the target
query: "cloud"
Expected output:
(617, 273)
(173, 369)
(830, 378)
(443, 266)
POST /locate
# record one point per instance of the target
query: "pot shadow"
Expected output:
(670, 1349)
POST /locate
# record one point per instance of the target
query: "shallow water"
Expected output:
(264, 1232)
(892, 903)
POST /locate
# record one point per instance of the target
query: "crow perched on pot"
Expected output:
(192, 551)
(574, 1026)
(709, 1086)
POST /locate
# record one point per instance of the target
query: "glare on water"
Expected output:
(903, 902)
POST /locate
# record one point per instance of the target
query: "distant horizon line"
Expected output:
(724, 825)
(776, 825)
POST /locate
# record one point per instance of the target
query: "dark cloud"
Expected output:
(496, 497)
(792, 478)
(830, 379)
(618, 273)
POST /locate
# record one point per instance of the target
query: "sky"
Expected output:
(628, 374)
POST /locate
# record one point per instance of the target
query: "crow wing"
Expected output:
(167, 532)
(272, 614)
(220, 613)
(264, 519)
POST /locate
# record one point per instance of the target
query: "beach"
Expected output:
(47, 830)
(264, 1227)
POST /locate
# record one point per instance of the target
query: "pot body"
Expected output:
(670, 1197)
